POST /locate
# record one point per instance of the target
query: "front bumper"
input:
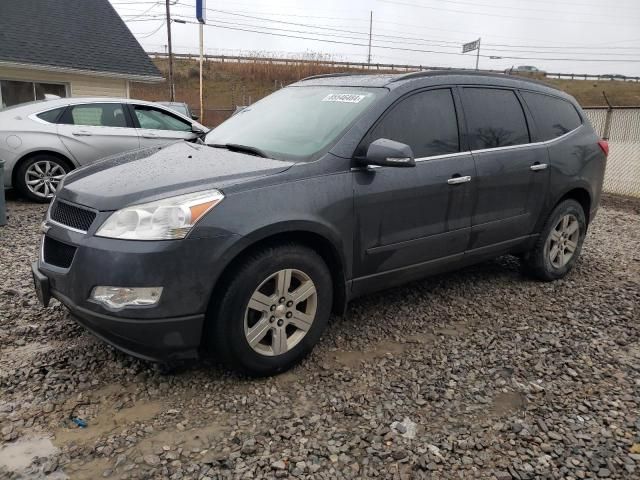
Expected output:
(186, 269)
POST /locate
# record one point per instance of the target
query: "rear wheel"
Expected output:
(37, 178)
(560, 242)
(273, 311)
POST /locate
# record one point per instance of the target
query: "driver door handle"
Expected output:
(82, 133)
(150, 135)
(538, 166)
(458, 180)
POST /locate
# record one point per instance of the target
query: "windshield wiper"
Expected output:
(234, 147)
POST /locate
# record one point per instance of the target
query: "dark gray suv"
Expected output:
(242, 244)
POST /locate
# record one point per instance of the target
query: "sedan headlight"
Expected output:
(166, 219)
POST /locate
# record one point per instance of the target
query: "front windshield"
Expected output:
(295, 123)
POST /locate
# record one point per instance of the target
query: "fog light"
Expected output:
(116, 298)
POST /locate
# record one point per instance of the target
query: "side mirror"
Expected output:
(194, 116)
(388, 153)
(197, 130)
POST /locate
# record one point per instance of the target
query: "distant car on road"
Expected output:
(180, 107)
(614, 76)
(524, 69)
(42, 141)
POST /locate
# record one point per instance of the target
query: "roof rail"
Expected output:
(329, 75)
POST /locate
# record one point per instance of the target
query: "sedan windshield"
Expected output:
(295, 123)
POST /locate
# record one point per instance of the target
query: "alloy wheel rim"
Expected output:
(280, 312)
(43, 177)
(563, 241)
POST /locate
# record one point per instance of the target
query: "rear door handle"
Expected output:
(538, 166)
(82, 133)
(149, 135)
(459, 180)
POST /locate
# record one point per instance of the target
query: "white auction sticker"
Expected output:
(343, 98)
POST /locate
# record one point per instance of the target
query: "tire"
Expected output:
(276, 328)
(47, 168)
(541, 262)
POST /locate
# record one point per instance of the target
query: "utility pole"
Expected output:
(172, 91)
(370, 30)
(201, 60)
(478, 54)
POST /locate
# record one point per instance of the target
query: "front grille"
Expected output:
(57, 253)
(72, 216)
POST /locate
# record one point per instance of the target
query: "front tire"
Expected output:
(38, 177)
(559, 245)
(272, 311)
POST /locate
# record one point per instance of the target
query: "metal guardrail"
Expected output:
(376, 66)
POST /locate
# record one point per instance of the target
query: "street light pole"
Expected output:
(370, 30)
(172, 91)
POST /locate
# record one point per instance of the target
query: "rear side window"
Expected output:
(95, 115)
(51, 116)
(494, 118)
(554, 117)
(425, 121)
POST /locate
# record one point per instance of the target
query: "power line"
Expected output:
(410, 49)
(465, 12)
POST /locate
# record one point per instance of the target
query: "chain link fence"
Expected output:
(621, 127)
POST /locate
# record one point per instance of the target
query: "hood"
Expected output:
(154, 173)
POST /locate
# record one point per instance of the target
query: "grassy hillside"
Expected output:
(230, 84)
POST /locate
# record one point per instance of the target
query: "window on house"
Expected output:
(13, 92)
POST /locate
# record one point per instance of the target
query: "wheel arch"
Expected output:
(65, 158)
(312, 238)
(581, 195)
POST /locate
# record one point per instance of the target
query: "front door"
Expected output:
(95, 130)
(408, 219)
(512, 173)
(157, 126)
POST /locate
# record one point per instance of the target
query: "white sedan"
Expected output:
(42, 141)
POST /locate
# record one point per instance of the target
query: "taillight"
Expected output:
(604, 145)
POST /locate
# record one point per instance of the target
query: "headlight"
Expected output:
(166, 219)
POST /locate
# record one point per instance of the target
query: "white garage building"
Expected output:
(79, 48)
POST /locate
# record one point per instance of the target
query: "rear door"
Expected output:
(94, 130)
(157, 126)
(408, 217)
(512, 174)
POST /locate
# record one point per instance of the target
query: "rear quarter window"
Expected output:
(553, 116)
(51, 116)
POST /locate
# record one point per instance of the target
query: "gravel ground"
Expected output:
(481, 373)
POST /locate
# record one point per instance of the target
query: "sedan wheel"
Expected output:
(43, 177)
(280, 312)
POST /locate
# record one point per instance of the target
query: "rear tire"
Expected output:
(38, 177)
(272, 311)
(559, 245)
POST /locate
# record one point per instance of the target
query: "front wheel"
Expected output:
(273, 310)
(560, 242)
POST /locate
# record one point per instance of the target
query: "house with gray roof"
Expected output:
(78, 48)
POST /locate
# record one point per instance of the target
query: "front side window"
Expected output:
(494, 118)
(296, 123)
(553, 116)
(95, 115)
(425, 121)
(156, 119)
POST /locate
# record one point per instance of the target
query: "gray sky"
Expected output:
(425, 32)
